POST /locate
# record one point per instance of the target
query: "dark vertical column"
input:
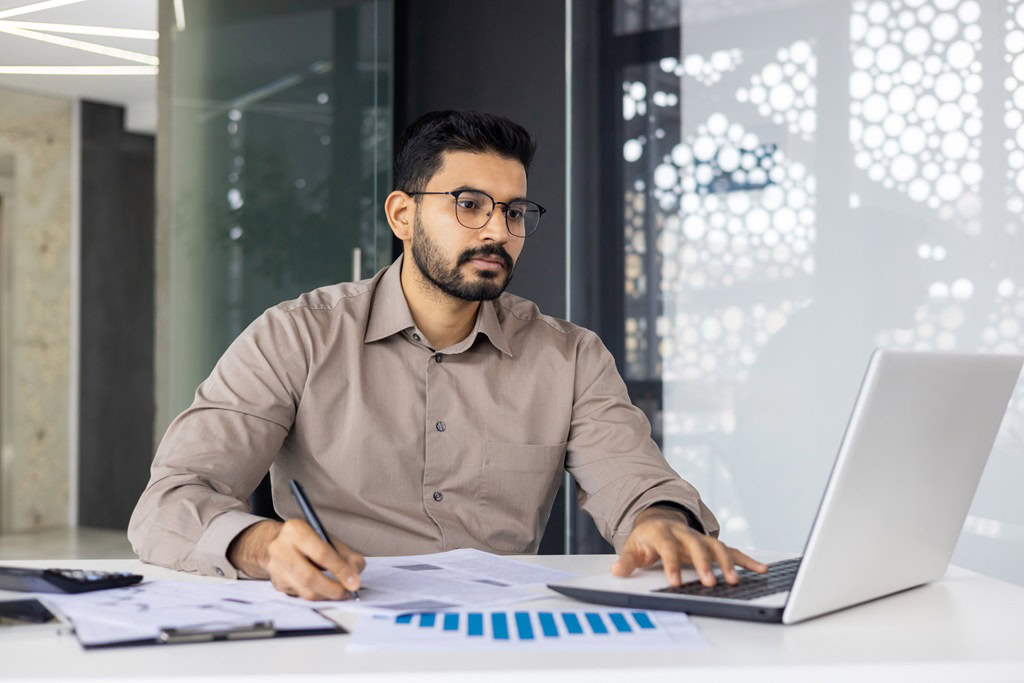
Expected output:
(117, 275)
(504, 57)
(350, 191)
(598, 264)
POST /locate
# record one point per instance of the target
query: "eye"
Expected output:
(514, 214)
(468, 204)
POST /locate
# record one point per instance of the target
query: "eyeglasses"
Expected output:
(473, 208)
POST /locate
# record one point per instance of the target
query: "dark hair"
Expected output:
(425, 140)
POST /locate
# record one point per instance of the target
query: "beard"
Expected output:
(433, 263)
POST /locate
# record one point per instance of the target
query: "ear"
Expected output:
(400, 210)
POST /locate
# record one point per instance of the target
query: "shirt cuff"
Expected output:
(211, 552)
(676, 495)
(691, 518)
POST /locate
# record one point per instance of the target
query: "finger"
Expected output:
(723, 558)
(350, 556)
(698, 556)
(312, 584)
(343, 563)
(282, 587)
(627, 561)
(345, 568)
(671, 557)
(292, 571)
(646, 555)
(748, 562)
(308, 579)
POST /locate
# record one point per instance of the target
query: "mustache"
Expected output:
(491, 250)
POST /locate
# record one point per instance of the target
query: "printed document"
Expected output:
(464, 577)
(442, 581)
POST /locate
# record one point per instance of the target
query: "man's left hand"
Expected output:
(663, 533)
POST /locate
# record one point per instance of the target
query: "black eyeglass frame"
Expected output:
(504, 211)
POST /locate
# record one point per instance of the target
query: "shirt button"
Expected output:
(440, 426)
(438, 358)
(416, 336)
(220, 572)
(438, 496)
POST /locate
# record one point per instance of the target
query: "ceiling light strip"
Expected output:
(35, 7)
(83, 45)
(179, 15)
(84, 30)
(79, 70)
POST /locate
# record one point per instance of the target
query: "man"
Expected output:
(423, 409)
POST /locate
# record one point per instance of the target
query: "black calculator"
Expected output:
(62, 580)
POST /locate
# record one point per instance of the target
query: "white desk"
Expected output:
(966, 627)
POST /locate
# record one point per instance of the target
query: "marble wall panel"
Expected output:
(35, 139)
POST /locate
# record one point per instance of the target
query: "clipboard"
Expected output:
(202, 634)
(170, 613)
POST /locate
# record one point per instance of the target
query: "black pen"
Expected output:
(314, 521)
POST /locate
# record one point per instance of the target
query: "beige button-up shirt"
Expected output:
(403, 449)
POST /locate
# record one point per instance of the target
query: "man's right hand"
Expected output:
(294, 558)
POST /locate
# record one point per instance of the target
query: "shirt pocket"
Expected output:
(518, 486)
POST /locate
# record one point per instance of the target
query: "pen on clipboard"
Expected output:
(314, 521)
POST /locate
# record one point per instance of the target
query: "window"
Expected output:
(783, 187)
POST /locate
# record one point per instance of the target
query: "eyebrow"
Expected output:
(477, 189)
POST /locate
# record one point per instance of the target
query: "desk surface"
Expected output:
(963, 627)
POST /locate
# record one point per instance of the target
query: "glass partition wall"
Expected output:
(776, 189)
(280, 146)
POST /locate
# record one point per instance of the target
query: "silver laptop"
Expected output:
(908, 466)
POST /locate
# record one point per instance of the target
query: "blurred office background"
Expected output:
(745, 199)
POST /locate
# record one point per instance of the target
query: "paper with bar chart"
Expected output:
(533, 629)
(456, 579)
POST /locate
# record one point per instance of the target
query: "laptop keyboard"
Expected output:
(752, 585)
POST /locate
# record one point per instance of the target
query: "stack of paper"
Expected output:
(389, 584)
(431, 602)
(457, 578)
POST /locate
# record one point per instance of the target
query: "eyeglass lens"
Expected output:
(473, 210)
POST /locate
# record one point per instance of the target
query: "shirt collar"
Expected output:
(488, 323)
(389, 313)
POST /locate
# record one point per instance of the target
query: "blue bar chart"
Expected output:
(595, 628)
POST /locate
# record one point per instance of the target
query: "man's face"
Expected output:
(472, 265)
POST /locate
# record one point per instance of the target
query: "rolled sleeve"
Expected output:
(216, 452)
(691, 519)
(211, 552)
(619, 470)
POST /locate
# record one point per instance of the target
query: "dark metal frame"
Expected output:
(597, 296)
(456, 193)
(617, 53)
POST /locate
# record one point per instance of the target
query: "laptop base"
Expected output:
(702, 608)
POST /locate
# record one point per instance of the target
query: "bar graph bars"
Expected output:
(528, 625)
(594, 628)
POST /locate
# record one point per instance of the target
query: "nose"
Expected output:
(494, 229)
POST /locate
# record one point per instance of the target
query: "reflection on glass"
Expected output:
(281, 160)
(632, 16)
